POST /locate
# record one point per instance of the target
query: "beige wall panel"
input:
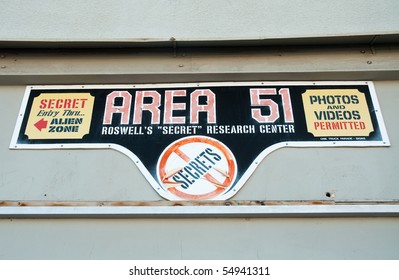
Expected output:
(206, 20)
(332, 238)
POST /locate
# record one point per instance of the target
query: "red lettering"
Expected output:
(67, 103)
(83, 102)
(111, 108)
(201, 101)
(209, 107)
(170, 106)
(287, 106)
(75, 103)
(152, 107)
(257, 101)
(62, 103)
(57, 103)
(43, 103)
(50, 104)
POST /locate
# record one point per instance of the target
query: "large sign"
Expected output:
(200, 141)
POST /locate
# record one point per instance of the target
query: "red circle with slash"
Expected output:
(197, 167)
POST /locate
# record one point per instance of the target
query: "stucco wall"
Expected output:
(346, 238)
(205, 20)
(352, 174)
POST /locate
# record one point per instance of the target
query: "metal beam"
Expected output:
(348, 210)
(139, 65)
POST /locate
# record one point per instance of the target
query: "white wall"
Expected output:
(354, 174)
(204, 20)
(333, 238)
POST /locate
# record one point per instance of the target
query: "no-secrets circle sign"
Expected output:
(197, 167)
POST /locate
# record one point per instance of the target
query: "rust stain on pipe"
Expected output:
(33, 203)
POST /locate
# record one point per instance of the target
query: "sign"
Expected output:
(60, 116)
(337, 112)
(200, 141)
(197, 167)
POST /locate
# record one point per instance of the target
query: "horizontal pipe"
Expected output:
(265, 211)
(196, 65)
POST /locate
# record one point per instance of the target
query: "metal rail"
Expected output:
(224, 209)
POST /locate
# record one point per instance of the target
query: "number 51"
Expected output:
(274, 115)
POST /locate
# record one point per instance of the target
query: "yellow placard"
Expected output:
(337, 112)
(60, 116)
